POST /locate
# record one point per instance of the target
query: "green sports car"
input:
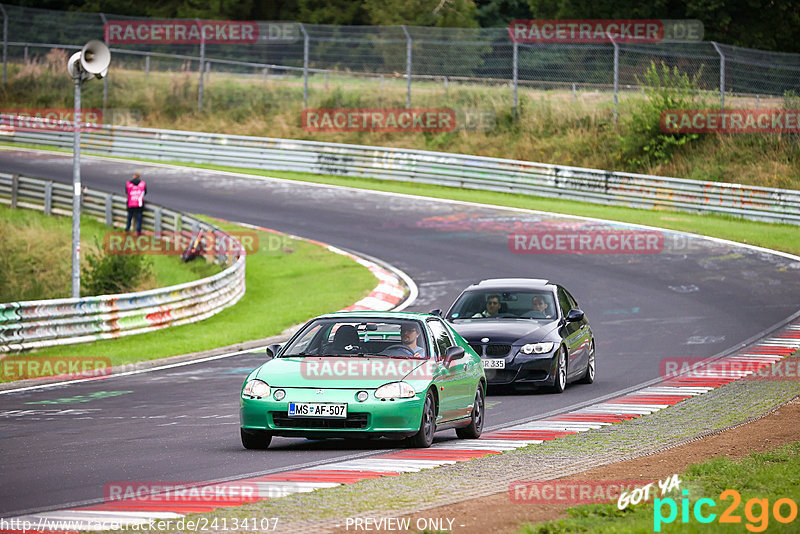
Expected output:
(366, 374)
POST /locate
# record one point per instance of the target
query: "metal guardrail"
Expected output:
(44, 323)
(439, 168)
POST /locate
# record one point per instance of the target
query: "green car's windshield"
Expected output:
(537, 305)
(353, 337)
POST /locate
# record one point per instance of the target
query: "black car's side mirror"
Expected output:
(575, 315)
(453, 353)
(272, 350)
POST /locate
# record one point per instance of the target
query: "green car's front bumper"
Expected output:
(397, 418)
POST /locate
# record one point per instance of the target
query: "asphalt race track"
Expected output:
(695, 298)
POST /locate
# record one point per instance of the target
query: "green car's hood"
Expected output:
(342, 372)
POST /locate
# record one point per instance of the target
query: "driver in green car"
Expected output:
(409, 335)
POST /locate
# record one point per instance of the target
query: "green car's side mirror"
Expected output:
(452, 353)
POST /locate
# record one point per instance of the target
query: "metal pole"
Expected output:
(105, 78)
(76, 191)
(515, 74)
(721, 75)
(147, 66)
(408, 66)
(305, 64)
(202, 66)
(616, 77)
(5, 42)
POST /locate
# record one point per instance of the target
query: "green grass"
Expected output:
(284, 287)
(551, 126)
(36, 257)
(770, 475)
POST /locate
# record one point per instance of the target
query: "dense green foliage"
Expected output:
(767, 25)
(643, 143)
(114, 273)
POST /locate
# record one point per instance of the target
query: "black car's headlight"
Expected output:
(537, 348)
(256, 388)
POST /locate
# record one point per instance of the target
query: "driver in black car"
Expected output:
(409, 335)
(492, 307)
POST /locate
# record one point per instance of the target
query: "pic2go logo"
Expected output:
(756, 511)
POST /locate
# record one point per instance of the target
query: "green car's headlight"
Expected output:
(256, 388)
(395, 390)
(537, 348)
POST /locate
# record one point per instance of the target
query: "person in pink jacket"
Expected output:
(135, 190)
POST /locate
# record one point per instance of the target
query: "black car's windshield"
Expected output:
(537, 305)
(354, 337)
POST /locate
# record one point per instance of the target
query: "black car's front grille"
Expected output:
(497, 349)
(477, 347)
(353, 420)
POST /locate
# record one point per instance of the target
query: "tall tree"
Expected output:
(440, 13)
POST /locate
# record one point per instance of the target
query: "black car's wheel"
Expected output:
(560, 382)
(475, 427)
(588, 377)
(255, 439)
(427, 425)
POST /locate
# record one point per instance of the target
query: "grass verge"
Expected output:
(760, 480)
(36, 258)
(284, 287)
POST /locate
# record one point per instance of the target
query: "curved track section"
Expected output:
(691, 298)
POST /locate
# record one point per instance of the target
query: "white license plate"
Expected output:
(494, 363)
(314, 409)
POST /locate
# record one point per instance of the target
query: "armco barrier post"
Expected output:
(109, 209)
(48, 197)
(408, 66)
(14, 190)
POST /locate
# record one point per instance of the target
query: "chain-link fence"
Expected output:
(413, 65)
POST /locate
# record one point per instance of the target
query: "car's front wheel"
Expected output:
(475, 427)
(560, 380)
(427, 425)
(255, 439)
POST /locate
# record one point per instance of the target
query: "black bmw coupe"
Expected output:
(527, 332)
